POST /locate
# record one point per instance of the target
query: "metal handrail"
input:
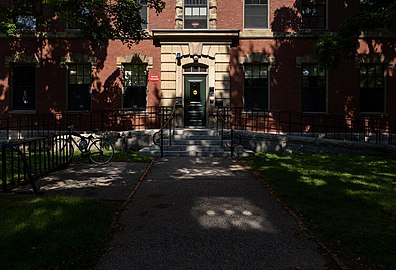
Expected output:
(223, 121)
(161, 131)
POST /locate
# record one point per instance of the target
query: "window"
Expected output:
(313, 88)
(23, 87)
(256, 86)
(195, 68)
(25, 14)
(372, 88)
(256, 13)
(143, 12)
(79, 87)
(195, 14)
(135, 86)
(313, 14)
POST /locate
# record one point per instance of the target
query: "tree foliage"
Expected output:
(372, 21)
(98, 20)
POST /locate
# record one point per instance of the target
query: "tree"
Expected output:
(98, 20)
(370, 24)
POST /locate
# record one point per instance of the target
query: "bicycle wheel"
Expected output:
(61, 151)
(101, 151)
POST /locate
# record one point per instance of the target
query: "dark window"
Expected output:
(143, 12)
(313, 88)
(135, 86)
(372, 88)
(195, 69)
(23, 86)
(26, 12)
(256, 86)
(79, 87)
(195, 14)
(256, 13)
(313, 14)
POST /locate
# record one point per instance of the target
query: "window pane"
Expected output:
(25, 22)
(372, 81)
(23, 88)
(256, 16)
(313, 88)
(79, 97)
(313, 14)
(256, 87)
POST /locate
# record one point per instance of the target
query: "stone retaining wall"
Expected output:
(265, 142)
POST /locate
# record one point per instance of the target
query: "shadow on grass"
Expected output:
(345, 199)
(52, 232)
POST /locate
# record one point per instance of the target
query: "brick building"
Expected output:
(202, 54)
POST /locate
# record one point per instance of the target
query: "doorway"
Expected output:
(195, 101)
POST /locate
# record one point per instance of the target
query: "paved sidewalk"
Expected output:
(207, 213)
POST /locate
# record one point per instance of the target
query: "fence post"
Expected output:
(8, 128)
(162, 142)
(3, 166)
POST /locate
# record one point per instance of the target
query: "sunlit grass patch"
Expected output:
(348, 199)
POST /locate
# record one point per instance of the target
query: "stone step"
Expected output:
(195, 142)
(196, 132)
(195, 137)
(168, 153)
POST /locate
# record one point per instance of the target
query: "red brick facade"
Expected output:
(284, 45)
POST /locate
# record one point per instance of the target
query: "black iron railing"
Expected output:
(374, 129)
(168, 123)
(20, 126)
(224, 122)
(24, 161)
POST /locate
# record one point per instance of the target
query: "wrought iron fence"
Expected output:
(24, 161)
(374, 129)
(20, 126)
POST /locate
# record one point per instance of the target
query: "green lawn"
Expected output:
(52, 232)
(347, 201)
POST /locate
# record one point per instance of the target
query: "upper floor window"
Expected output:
(256, 13)
(256, 86)
(79, 87)
(23, 87)
(25, 14)
(313, 88)
(143, 13)
(135, 86)
(372, 88)
(195, 14)
(313, 14)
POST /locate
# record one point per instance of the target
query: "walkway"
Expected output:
(207, 213)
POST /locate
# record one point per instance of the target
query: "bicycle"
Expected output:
(98, 150)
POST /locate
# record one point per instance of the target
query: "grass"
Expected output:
(55, 232)
(52, 232)
(346, 200)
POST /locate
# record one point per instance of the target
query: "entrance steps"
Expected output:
(195, 143)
